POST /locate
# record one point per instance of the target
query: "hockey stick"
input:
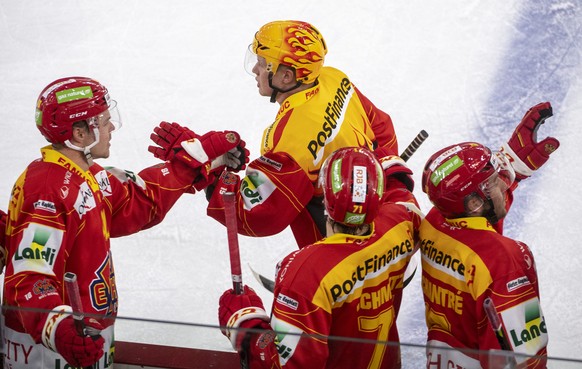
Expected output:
(414, 145)
(497, 326)
(406, 154)
(268, 284)
(233, 249)
(72, 289)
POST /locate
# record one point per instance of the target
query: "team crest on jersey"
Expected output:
(103, 290)
(38, 249)
(85, 201)
(44, 288)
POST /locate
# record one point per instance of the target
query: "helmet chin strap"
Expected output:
(490, 214)
(87, 149)
(277, 90)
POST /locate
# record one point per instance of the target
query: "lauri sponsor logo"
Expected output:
(528, 334)
(35, 253)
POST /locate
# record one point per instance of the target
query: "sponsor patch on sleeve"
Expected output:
(270, 162)
(45, 205)
(517, 283)
(38, 249)
(287, 301)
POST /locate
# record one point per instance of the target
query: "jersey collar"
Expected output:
(297, 99)
(50, 155)
(479, 223)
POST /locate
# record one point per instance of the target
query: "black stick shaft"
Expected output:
(414, 145)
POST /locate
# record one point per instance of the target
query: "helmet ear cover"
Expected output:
(352, 181)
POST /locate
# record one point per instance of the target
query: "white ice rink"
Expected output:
(460, 69)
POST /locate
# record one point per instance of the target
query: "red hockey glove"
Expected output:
(240, 311)
(523, 150)
(234, 160)
(168, 137)
(198, 152)
(395, 167)
(78, 351)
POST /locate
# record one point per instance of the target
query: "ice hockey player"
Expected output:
(347, 286)
(321, 110)
(63, 210)
(468, 266)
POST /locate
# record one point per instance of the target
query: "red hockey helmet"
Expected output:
(453, 174)
(353, 184)
(69, 100)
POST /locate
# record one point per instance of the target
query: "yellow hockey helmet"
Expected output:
(295, 44)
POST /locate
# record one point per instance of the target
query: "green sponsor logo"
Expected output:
(72, 94)
(535, 326)
(38, 251)
(352, 218)
(38, 117)
(380, 175)
(336, 176)
(445, 169)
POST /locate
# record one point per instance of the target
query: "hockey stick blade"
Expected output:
(414, 145)
(411, 269)
(268, 284)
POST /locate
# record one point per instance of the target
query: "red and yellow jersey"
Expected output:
(341, 287)
(310, 125)
(60, 219)
(464, 262)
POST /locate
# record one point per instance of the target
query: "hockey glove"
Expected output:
(234, 160)
(523, 150)
(78, 351)
(168, 137)
(177, 142)
(395, 167)
(237, 313)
